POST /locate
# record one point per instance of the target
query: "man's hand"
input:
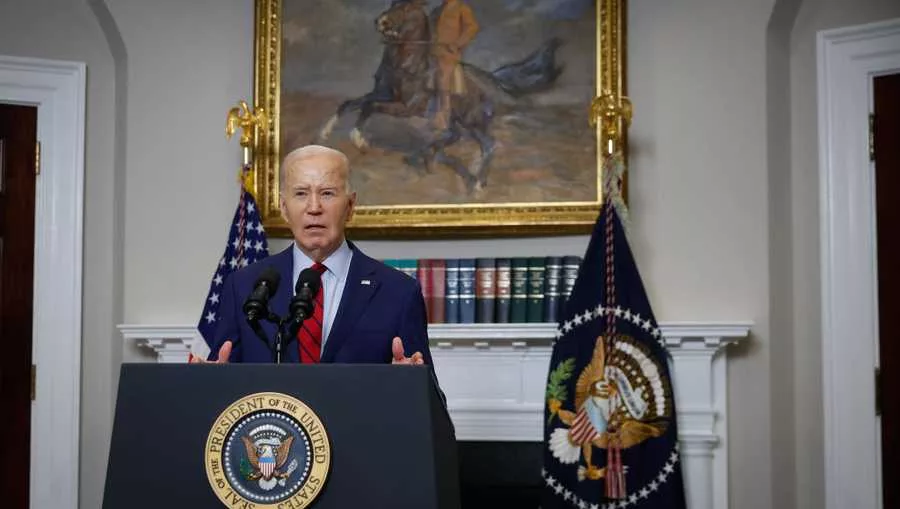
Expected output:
(224, 354)
(400, 354)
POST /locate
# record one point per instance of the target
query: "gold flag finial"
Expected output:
(613, 114)
(249, 122)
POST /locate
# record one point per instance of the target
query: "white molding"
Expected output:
(700, 377)
(491, 331)
(58, 90)
(684, 335)
(848, 58)
(171, 343)
(513, 359)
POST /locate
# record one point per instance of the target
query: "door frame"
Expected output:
(848, 59)
(57, 88)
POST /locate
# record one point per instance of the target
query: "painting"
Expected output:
(459, 117)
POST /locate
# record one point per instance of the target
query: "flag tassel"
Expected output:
(615, 473)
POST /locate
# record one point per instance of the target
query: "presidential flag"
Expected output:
(610, 434)
(246, 244)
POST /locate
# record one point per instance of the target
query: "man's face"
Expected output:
(315, 203)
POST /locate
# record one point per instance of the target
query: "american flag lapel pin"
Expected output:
(365, 282)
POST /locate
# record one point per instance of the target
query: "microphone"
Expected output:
(305, 291)
(257, 304)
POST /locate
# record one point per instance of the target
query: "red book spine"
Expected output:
(423, 274)
(438, 288)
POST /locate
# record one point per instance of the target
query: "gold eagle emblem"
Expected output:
(277, 453)
(620, 401)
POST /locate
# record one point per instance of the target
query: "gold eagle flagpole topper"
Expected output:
(249, 122)
(611, 109)
(612, 112)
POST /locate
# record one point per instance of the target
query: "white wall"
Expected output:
(188, 63)
(699, 188)
(70, 31)
(724, 210)
(781, 316)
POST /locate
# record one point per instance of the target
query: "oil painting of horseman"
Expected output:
(446, 102)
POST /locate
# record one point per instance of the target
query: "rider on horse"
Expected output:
(454, 28)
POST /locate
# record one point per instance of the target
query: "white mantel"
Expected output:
(494, 376)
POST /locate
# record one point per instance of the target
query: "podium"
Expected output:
(181, 429)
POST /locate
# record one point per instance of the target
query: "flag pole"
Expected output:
(611, 114)
(611, 109)
(246, 237)
(249, 122)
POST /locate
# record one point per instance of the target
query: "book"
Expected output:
(409, 267)
(451, 290)
(535, 308)
(485, 290)
(504, 282)
(467, 290)
(518, 307)
(570, 267)
(552, 288)
(438, 289)
(423, 275)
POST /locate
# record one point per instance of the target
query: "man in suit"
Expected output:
(454, 28)
(366, 312)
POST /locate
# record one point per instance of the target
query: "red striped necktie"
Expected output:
(309, 336)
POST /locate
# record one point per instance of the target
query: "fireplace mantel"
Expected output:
(494, 376)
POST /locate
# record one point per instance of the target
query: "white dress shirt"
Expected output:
(333, 281)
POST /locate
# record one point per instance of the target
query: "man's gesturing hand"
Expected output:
(224, 354)
(400, 354)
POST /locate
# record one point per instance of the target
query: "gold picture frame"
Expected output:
(434, 220)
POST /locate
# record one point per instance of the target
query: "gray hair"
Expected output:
(311, 151)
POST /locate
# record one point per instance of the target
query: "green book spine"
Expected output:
(535, 312)
(518, 309)
(410, 267)
(570, 267)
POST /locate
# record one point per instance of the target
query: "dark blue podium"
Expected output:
(389, 436)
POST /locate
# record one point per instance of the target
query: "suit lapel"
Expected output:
(284, 262)
(353, 302)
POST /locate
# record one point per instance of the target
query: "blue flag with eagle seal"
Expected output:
(610, 434)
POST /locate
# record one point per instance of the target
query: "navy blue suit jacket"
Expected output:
(378, 303)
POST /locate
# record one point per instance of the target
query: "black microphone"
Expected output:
(257, 304)
(301, 306)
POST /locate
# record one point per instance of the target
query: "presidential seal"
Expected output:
(267, 450)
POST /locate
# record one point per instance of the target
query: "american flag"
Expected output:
(246, 244)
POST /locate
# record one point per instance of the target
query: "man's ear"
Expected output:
(282, 206)
(352, 205)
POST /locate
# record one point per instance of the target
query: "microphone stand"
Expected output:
(279, 336)
(292, 325)
(261, 334)
(297, 314)
(277, 353)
